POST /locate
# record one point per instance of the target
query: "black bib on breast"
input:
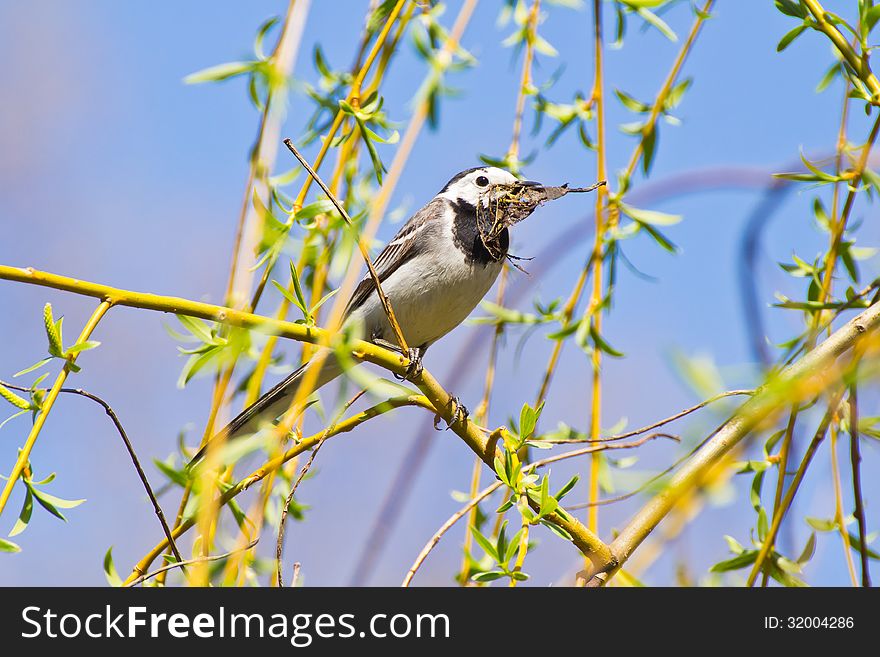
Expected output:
(466, 235)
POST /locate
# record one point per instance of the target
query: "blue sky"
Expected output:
(113, 170)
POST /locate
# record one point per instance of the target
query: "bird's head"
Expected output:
(469, 185)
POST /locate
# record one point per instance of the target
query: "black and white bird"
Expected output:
(434, 272)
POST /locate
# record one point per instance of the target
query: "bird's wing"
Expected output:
(404, 247)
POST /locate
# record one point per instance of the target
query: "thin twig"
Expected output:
(780, 512)
(458, 515)
(134, 459)
(454, 518)
(655, 425)
(601, 447)
(188, 562)
(279, 543)
(272, 465)
(856, 460)
(365, 252)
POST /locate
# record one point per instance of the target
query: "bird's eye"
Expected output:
(482, 181)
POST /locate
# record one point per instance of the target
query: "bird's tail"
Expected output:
(274, 403)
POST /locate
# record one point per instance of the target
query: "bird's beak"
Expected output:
(530, 183)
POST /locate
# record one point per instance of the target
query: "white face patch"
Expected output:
(468, 188)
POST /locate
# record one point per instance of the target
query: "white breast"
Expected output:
(430, 295)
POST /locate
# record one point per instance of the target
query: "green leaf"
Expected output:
(857, 546)
(567, 488)
(85, 345)
(631, 103)
(33, 367)
(871, 17)
(739, 561)
(488, 576)
(197, 327)
(791, 8)
(763, 526)
(501, 544)
(322, 300)
(297, 288)
(486, 544)
(547, 502)
(755, 492)
(312, 210)
(287, 295)
(52, 503)
(11, 417)
(113, 578)
(378, 167)
(178, 477)
(261, 35)
(649, 142)
(673, 98)
(651, 217)
(653, 19)
(220, 72)
(513, 546)
(602, 344)
(822, 525)
(8, 546)
(660, 238)
(24, 517)
(808, 551)
(790, 36)
(734, 545)
(528, 419)
(556, 529)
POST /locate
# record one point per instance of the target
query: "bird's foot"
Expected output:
(414, 369)
(413, 355)
(460, 414)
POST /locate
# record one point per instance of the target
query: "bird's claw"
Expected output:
(460, 414)
(414, 369)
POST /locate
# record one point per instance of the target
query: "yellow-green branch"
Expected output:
(814, 372)
(585, 540)
(25, 452)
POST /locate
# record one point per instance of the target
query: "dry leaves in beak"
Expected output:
(503, 205)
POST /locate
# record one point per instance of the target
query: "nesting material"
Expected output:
(506, 205)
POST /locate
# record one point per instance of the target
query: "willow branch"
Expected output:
(183, 564)
(25, 452)
(812, 371)
(856, 460)
(131, 453)
(458, 515)
(785, 505)
(264, 152)
(659, 423)
(858, 63)
(273, 464)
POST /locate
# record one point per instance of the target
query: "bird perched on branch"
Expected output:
(434, 272)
